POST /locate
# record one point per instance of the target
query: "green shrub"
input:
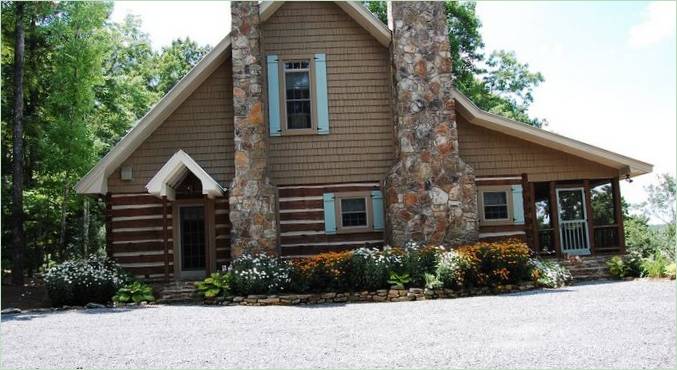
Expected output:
(654, 266)
(671, 271)
(452, 269)
(432, 282)
(259, 274)
(549, 273)
(617, 267)
(215, 285)
(136, 292)
(399, 280)
(81, 281)
(370, 267)
(419, 260)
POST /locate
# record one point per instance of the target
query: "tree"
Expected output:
(661, 199)
(499, 84)
(17, 152)
(176, 61)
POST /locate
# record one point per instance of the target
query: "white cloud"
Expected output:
(658, 24)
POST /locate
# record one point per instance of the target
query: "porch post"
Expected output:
(618, 213)
(164, 236)
(109, 225)
(534, 218)
(554, 216)
(210, 214)
(527, 201)
(588, 211)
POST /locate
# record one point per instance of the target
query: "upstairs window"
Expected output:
(297, 93)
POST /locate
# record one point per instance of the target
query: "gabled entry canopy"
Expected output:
(174, 171)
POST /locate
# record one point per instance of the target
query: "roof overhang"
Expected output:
(174, 171)
(626, 166)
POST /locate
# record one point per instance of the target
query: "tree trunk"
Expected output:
(85, 227)
(62, 233)
(17, 151)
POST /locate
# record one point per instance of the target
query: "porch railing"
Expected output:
(606, 238)
(574, 236)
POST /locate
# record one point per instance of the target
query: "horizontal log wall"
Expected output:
(137, 242)
(302, 220)
(136, 234)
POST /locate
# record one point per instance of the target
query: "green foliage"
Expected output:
(452, 269)
(417, 261)
(432, 282)
(176, 61)
(399, 280)
(671, 271)
(215, 285)
(87, 80)
(370, 268)
(654, 266)
(136, 292)
(80, 281)
(617, 267)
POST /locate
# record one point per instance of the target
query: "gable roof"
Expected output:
(627, 166)
(175, 170)
(95, 181)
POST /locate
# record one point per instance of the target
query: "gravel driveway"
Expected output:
(602, 325)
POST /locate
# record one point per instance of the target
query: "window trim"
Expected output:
(507, 189)
(366, 195)
(283, 96)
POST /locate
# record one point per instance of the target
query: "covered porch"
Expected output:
(574, 217)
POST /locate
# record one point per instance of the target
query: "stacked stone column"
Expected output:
(430, 192)
(253, 203)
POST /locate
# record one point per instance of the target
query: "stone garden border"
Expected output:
(382, 295)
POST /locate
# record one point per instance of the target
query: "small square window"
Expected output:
(495, 205)
(353, 212)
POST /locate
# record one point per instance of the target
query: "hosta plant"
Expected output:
(215, 285)
(399, 280)
(136, 292)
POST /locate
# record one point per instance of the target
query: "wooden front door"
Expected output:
(192, 258)
(573, 221)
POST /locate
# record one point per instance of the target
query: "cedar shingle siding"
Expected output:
(202, 126)
(360, 144)
(491, 153)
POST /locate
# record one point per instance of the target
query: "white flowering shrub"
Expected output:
(259, 274)
(371, 267)
(450, 269)
(78, 282)
(549, 273)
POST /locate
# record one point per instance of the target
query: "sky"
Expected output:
(609, 67)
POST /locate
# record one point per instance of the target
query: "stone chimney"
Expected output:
(253, 203)
(430, 192)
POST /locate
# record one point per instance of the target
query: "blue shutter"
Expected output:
(329, 213)
(321, 94)
(273, 97)
(377, 209)
(517, 204)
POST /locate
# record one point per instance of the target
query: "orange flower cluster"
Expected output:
(497, 262)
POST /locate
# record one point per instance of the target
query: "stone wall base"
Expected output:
(382, 295)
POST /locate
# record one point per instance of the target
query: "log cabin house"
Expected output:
(314, 127)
